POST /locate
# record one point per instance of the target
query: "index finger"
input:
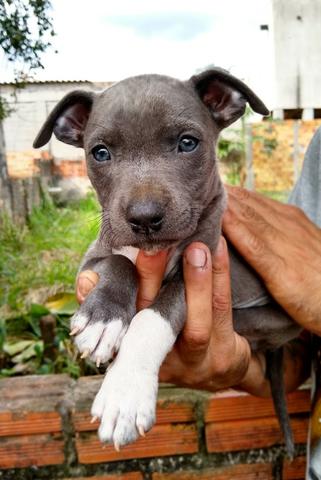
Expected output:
(150, 269)
(222, 299)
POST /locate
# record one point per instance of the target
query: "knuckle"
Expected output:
(240, 193)
(249, 214)
(255, 245)
(221, 267)
(222, 368)
(221, 303)
(196, 339)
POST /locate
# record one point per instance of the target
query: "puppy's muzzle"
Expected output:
(145, 216)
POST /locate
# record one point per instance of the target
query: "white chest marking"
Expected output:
(129, 252)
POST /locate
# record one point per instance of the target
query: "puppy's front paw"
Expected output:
(97, 331)
(125, 404)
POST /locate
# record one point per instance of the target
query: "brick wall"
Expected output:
(26, 164)
(70, 168)
(278, 151)
(45, 432)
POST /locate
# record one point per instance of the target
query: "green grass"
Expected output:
(36, 262)
(279, 196)
(46, 254)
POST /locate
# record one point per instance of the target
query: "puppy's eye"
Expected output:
(187, 144)
(101, 153)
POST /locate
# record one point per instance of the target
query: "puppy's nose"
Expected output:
(145, 216)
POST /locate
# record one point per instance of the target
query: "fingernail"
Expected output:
(196, 257)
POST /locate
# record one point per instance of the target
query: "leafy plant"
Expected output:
(38, 266)
(25, 32)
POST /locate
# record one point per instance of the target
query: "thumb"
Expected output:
(150, 269)
(198, 291)
(85, 283)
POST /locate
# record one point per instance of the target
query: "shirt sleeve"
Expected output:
(307, 191)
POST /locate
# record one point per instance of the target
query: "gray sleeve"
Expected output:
(307, 191)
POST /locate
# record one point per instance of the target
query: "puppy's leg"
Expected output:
(102, 320)
(127, 398)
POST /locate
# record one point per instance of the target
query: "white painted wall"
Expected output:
(31, 105)
(297, 51)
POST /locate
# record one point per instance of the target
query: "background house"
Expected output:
(296, 37)
(30, 107)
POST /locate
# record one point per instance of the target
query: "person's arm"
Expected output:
(284, 247)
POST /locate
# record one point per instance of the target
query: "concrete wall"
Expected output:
(30, 107)
(297, 47)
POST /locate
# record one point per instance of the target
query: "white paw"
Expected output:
(98, 340)
(125, 404)
(126, 401)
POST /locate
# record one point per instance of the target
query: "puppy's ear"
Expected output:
(226, 96)
(67, 120)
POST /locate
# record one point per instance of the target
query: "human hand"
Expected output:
(208, 353)
(283, 246)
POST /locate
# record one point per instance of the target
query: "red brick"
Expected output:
(162, 440)
(294, 470)
(23, 423)
(167, 412)
(252, 433)
(121, 476)
(231, 405)
(25, 451)
(256, 471)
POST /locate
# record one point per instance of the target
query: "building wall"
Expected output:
(297, 49)
(30, 107)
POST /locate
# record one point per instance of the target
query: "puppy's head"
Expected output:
(150, 150)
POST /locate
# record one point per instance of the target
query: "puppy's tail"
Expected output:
(274, 373)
